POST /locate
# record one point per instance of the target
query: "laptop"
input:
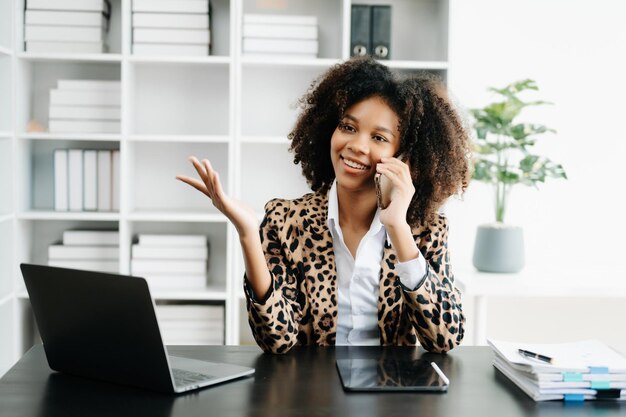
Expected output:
(104, 326)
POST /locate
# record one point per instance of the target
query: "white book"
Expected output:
(171, 20)
(64, 33)
(172, 240)
(115, 180)
(184, 36)
(77, 5)
(85, 112)
(176, 282)
(266, 30)
(90, 180)
(60, 180)
(169, 252)
(63, 252)
(85, 98)
(91, 265)
(170, 49)
(167, 267)
(91, 237)
(66, 47)
(298, 46)
(171, 6)
(69, 18)
(189, 312)
(89, 85)
(104, 180)
(84, 126)
(75, 175)
(274, 56)
(275, 19)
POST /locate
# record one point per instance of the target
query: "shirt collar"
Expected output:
(333, 213)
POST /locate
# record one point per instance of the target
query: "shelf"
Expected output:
(416, 65)
(287, 61)
(38, 57)
(180, 138)
(206, 294)
(265, 139)
(205, 60)
(172, 216)
(5, 135)
(5, 51)
(104, 137)
(6, 217)
(6, 298)
(60, 215)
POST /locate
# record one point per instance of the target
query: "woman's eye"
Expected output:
(380, 138)
(346, 127)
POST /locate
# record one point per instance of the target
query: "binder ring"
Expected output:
(359, 50)
(381, 51)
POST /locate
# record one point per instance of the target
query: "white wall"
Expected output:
(576, 51)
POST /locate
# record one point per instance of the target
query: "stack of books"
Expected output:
(576, 371)
(92, 250)
(171, 261)
(85, 106)
(285, 36)
(171, 27)
(86, 180)
(191, 324)
(66, 26)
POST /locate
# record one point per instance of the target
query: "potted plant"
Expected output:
(502, 158)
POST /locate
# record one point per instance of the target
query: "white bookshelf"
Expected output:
(234, 110)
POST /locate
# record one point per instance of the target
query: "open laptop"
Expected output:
(104, 326)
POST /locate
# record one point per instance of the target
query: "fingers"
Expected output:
(198, 166)
(394, 168)
(198, 185)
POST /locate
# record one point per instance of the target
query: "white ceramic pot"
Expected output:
(499, 248)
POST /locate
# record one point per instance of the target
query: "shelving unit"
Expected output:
(229, 108)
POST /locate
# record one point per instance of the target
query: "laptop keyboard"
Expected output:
(182, 377)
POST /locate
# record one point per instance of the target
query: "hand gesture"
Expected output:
(240, 215)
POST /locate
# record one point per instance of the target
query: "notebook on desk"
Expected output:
(104, 326)
(583, 370)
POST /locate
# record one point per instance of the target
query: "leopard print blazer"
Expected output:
(301, 305)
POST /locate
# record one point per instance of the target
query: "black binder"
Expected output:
(360, 42)
(381, 32)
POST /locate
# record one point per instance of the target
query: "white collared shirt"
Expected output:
(358, 278)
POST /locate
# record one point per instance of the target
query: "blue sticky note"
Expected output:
(574, 397)
(600, 384)
(598, 370)
(572, 377)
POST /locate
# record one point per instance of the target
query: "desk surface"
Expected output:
(303, 382)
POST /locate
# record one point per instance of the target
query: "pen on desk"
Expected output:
(529, 354)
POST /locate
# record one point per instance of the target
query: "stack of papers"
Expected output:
(585, 370)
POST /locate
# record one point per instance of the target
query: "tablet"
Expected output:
(391, 374)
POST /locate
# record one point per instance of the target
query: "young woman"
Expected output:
(334, 267)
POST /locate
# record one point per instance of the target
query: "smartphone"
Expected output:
(383, 188)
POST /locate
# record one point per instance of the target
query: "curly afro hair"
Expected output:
(433, 138)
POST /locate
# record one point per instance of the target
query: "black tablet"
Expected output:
(391, 374)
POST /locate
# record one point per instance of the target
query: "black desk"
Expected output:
(302, 383)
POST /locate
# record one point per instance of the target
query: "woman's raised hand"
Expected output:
(241, 216)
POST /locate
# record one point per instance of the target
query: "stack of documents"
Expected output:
(578, 371)
(66, 26)
(171, 27)
(92, 250)
(171, 261)
(86, 180)
(85, 106)
(191, 324)
(280, 35)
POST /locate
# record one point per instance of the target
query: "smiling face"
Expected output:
(367, 132)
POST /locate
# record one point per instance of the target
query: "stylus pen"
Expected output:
(440, 372)
(534, 355)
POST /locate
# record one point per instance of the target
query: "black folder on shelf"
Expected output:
(360, 31)
(381, 32)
